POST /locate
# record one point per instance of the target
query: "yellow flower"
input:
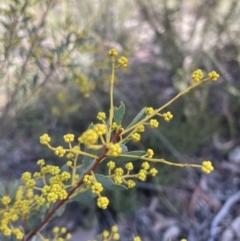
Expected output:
(6, 200)
(45, 139)
(129, 166)
(213, 76)
(207, 167)
(101, 116)
(111, 165)
(137, 238)
(154, 123)
(167, 116)
(153, 171)
(145, 165)
(197, 75)
(100, 129)
(89, 137)
(150, 153)
(102, 202)
(59, 151)
(149, 110)
(68, 138)
(114, 150)
(136, 137)
(123, 61)
(131, 184)
(113, 52)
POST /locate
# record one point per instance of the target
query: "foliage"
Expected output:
(45, 193)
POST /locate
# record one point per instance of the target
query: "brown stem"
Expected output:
(80, 182)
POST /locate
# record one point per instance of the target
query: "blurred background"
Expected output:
(54, 76)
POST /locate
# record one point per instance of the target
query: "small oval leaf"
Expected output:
(119, 113)
(138, 117)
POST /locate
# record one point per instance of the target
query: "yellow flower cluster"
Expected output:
(115, 126)
(101, 116)
(137, 238)
(45, 139)
(114, 150)
(154, 123)
(197, 75)
(111, 165)
(207, 167)
(96, 188)
(123, 61)
(113, 52)
(113, 235)
(136, 137)
(213, 76)
(100, 129)
(68, 138)
(89, 137)
(140, 128)
(59, 151)
(149, 110)
(167, 116)
(129, 166)
(150, 153)
(59, 232)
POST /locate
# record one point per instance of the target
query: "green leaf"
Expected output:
(137, 118)
(105, 181)
(124, 148)
(2, 190)
(108, 184)
(64, 168)
(13, 188)
(117, 187)
(60, 211)
(84, 197)
(119, 113)
(88, 166)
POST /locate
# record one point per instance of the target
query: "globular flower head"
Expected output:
(153, 171)
(131, 184)
(142, 175)
(136, 137)
(213, 76)
(101, 116)
(97, 188)
(140, 128)
(150, 153)
(113, 52)
(41, 162)
(137, 238)
(129, 166)
(111, 165)
(45, 139)
(89, 137)
(154, 123)
(119, 171)
(115, 126)
(105, 234)
(6, 200)
(197, 75)
(123, 61)
(59, 151)
(149, 110)
(68, 138)
(167, 116)
(207, 167)
(145, 165)
(114, 150)
(100, 129)
(102, 202)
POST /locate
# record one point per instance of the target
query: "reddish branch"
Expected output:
(70, 193)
